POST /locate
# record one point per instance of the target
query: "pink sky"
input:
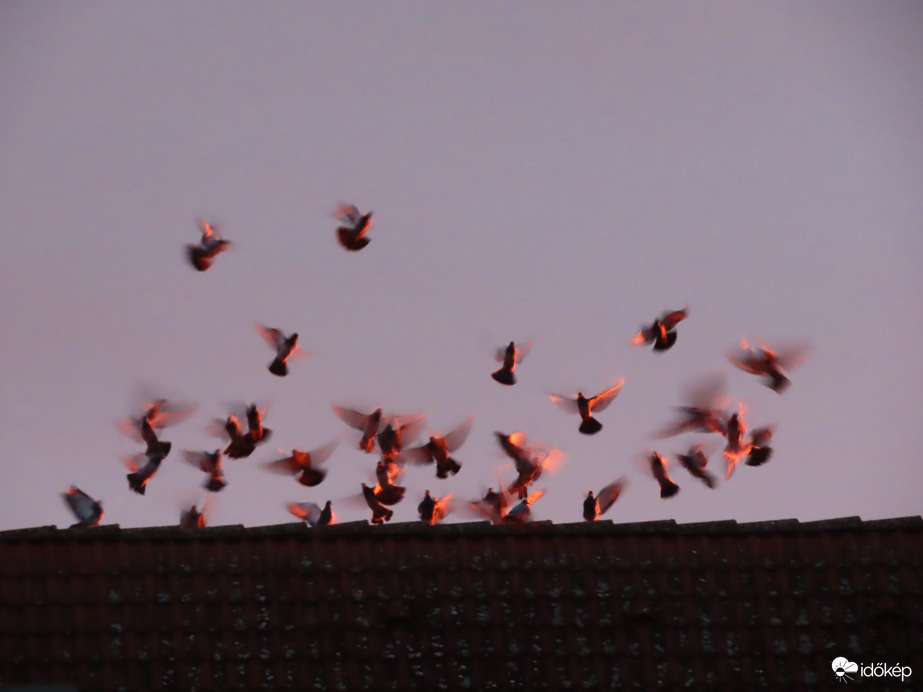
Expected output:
(538, 172)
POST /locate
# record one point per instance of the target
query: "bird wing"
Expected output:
(671, 319)
(352, 418)
(566, 403)
(271, 336)
(603, 399)
(608, 495)
(457, 437)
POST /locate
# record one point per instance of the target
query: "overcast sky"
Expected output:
(539, 171)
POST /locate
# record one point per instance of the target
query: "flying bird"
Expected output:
(586, 406)
(210, 246)
(738, 446)
(210, 463)
(240, 444)
(306, 466)
(88, 511)
(386, 491)
(380, 513)
(659, 468)
(771, 365)
(662, 332)
(283, 345)
(397, 431)
(355, 225)
(256, 432)
(694, 461)
(760, 451)
(312, 513)
(432, 510)
(704, 409)
(530, 462)
(437, 450)
(595, 506)
(492, 506)
(522, 512)
(367, 424)
(139, 476)
(511, 356)
(157, 415)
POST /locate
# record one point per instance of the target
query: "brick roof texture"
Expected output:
(717, 606)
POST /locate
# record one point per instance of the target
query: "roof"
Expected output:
(716, 605)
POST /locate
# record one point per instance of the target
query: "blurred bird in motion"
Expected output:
(760, 451)
(437, 450)
(306, 466)
(694, 461)
(284, 346)
(210, 463)
(586, 406)
(432, 510)
(380, 513)
(595, 506)
(658, 465)
(157, 415)
(770, 364)
(398, 431)
(312, 513)
(522, 512)
(193, 517)
(511, 356)
(737, 445)
(355, 225)
(662, 332)
(530, 462)
(704, 409)
(210, 246)
(367, 424)
(139, 476)
(89, 512)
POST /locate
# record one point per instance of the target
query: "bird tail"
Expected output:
(278, 367)
(136, 483)
(504, 376)
(215, 484)
(666, 343)
(668, 488)
(590, 426)
(451, 466)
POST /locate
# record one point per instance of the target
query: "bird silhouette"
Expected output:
(522, 512)
(432, 510)
(312, 513)
(586, 406)
(140, 475)
(367, 424)
(193, 518)
(662, 331)
(380, 513)
(738, 446)
(398, 431)
(694, 461)
(704, 409)
(283, 345)
(658, 466)
(210, 246)
(510, 356)
(770, 364)
(306, 466)
(210, 463)
(760, 451)
(595, 506)
(89, 512)
(355, 225)
(437, 450)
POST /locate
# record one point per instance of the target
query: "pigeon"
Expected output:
(355, 225)
(306, 466)
(760, 451)
(659, 468)
(157, 415)
(585, 406)
(438, 448)
(210, 463)
(768, 363)
(256, 432)
(380, 513)
(241, 445)
(386, 491)
(284, 347)
(662, 332)
(89, 512)
(397, 431)
(738, 446)
(529, 462)
(432, 510)
(367, 424)
(704, 410)
(192, 518)
(694, 461)
(312, 513)
(510, 356)
(594, 507)
(492, 506)
(522, 512)
(139, 476)
(210, 246)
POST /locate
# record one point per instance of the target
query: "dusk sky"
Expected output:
(547, 172)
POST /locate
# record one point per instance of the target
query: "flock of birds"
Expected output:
(393, 437)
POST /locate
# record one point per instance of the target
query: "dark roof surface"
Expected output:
(717, 605)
